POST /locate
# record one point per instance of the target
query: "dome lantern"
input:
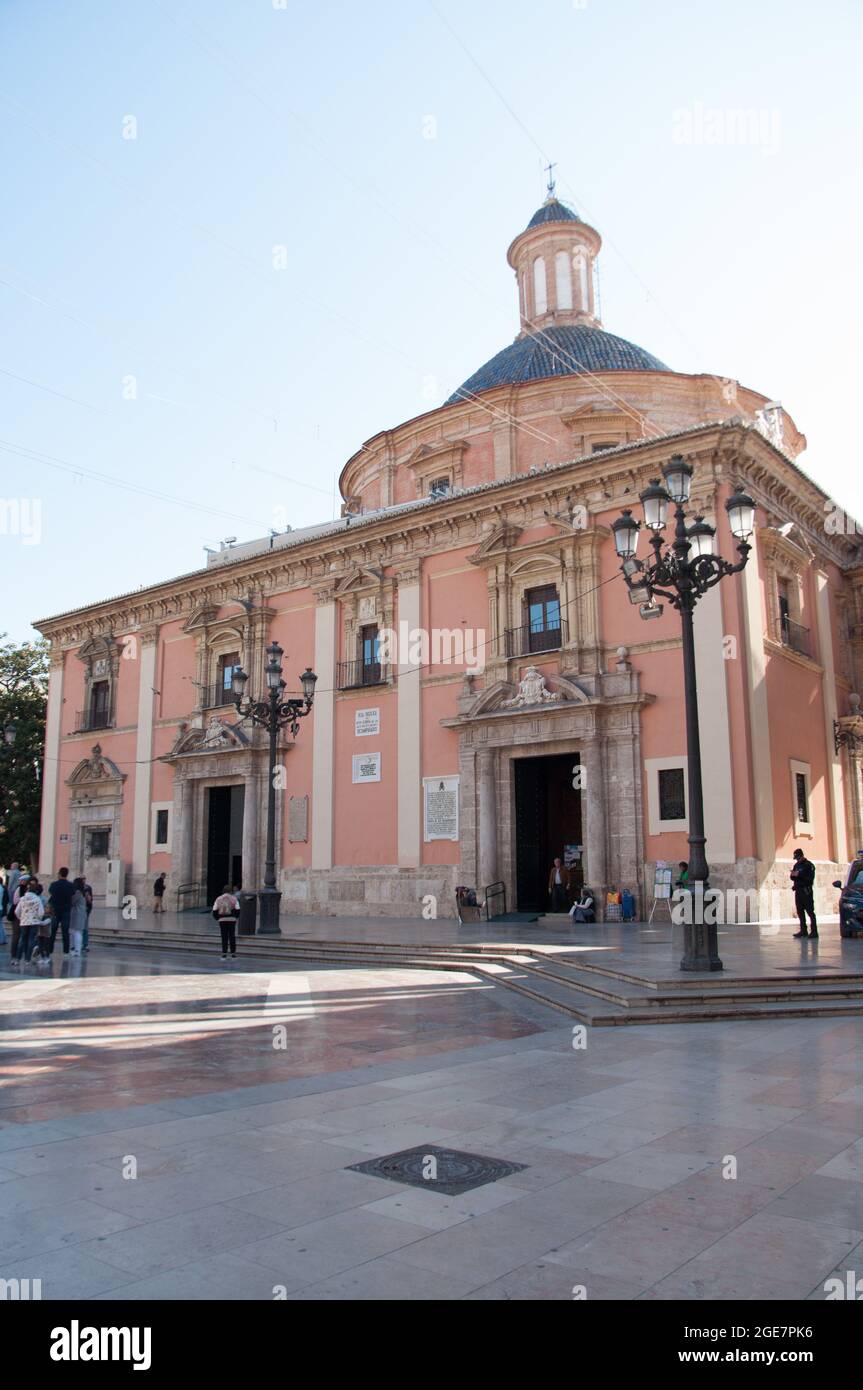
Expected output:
(553, 260)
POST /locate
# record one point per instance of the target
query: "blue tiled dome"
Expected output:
(564, 351)
(553, 210)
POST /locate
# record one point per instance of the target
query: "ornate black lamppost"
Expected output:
(682, 573)
(273, 714)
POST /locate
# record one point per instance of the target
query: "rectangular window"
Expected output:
(370, 654)
(228, 664)
(672, 794)
(439, 487)
(802, 797)
(161, 827)
(543, 618)
(97, 843)
(784, 610)
(99, 703)
(609, 444)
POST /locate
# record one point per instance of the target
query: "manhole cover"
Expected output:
(441, 1170)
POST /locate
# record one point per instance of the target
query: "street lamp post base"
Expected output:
(268, 916)
(700, 948)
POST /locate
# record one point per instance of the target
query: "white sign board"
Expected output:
(367, 609)
(366, 767)
(440, 808)
(662, 881)
(367, 721)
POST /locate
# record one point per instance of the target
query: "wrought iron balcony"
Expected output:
(524, 641)
(796, 637)
(87, 719)
(215, 696)
(353, 675)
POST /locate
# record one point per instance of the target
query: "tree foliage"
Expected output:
(23, 702)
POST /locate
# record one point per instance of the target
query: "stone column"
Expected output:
(51, 766)
(854, 783)
(711, 668)
(183, 830)
(593, 805)
(408, 697)
(323, 731)
(251, 822)
(835, 799)
(146, 649)
(761, 772)
(486, 801)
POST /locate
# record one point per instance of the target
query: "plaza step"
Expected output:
(600, 996)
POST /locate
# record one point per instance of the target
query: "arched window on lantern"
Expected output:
(563, 280)
(540, 295)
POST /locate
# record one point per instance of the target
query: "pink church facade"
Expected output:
(487, 696)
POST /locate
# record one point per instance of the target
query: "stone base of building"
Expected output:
(376, 891)
(753, 892)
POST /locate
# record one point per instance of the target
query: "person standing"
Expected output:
(803, 881)
(78, 916)
(159, 894)
(226, 910)
(13, 878)
(558, 886)
(30, 911)
(61, 893)
(12, 916)
(88, 898)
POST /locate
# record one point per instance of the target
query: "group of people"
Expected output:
(36, 916)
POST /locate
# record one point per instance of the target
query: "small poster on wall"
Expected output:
(440, 805)
(367, 721)
(366, 767)
(571, 856)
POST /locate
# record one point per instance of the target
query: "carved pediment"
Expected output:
(96, 768)
(218, 737)
(201, 618)
(359, 577)
(96, 647)
(501, 539)
(535, 690)
(787, 542)
(448, 451)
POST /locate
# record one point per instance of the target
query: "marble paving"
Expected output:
(178, 1128)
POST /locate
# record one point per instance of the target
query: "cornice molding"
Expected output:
(601, 482)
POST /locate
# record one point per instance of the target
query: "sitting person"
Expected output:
(585, 909)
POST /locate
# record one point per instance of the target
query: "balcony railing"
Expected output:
(214, 696)
(353, 675)
(524, 641)
(87, 719)
(796, 636)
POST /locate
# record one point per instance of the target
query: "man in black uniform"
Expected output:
(60, 895)
(803, 879)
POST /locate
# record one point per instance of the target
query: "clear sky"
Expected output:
(392, 150)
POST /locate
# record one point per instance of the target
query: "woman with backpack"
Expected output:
(30, 911)
(226, 909)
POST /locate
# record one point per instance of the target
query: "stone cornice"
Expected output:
(780, 649)
(397, 537)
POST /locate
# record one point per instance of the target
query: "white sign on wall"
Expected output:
(366, 767)
(367, 721)
(367, 610)
(440, 808)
